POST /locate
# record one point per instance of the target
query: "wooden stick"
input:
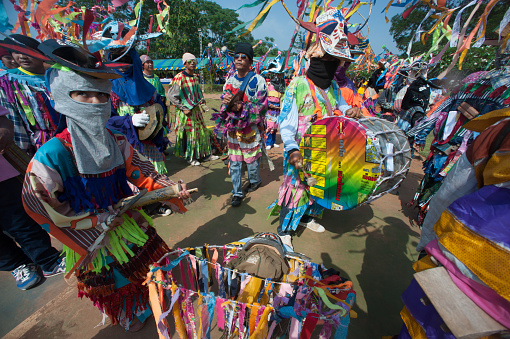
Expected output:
(161, 194)
(310, 181)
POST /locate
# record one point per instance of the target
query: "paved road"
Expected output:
(372, 245)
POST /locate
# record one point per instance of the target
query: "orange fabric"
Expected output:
(423, 264)
(353, 99)
(154, 300)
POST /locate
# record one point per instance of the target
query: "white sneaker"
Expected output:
(276, 145)
(194, 163)
(287, 240)
(313, 225)
(268, 147)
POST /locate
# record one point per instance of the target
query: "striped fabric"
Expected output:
(190, 89)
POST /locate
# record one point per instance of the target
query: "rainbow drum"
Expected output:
(354, 161)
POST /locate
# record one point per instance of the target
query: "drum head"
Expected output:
(348, 166)
(155, 122)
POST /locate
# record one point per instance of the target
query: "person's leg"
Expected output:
(283, 213)
(270, 139)
(254, 172)
(235, 174)
(32, 238)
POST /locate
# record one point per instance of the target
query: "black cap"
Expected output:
(76, 58)
(245, 48)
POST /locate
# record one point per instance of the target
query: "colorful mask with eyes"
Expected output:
(332, 34)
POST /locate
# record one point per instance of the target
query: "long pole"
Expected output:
(201, 57)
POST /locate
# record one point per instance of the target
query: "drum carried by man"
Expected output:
(321, 137)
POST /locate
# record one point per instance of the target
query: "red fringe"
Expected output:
(99, 287)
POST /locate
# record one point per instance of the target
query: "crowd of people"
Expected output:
(85, 136)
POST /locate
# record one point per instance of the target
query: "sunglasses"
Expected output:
(191, 62)
(242, 56)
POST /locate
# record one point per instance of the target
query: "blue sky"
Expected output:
(280, 26)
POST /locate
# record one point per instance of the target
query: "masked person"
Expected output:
(132, 94)
(306, 95)
(76, 178)
(192, 136)
(241, 118)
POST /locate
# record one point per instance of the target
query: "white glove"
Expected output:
(140, 119)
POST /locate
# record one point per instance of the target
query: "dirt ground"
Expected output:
(373, 246)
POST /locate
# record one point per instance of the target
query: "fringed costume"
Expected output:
(451, 139)
(466, 230)
(71, 206)
(26, 98)
(192, 136)
(302, 104)
(130, 95)
(70, 187)
(243, 128)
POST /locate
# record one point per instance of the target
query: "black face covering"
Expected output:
(322, 72)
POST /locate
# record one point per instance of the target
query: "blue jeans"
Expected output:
(34, 241)
(236, 174)
(271, 139)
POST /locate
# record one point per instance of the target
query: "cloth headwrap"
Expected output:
(4, 52)
(144, 58)
(322, 72)
(94, 147)
(132, 88)
(245, 48)
(187, 56)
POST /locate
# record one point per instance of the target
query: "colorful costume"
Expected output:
(70, 186)
(466, 230)
(192, 136)
(26, 98)
(243, 128)
(273, 98)
(154, 81)
(302, 104)
(492, 92)
(130, 95)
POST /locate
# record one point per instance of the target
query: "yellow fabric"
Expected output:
(179, 324)
(484, 258)
(481, 122)
(496, 170)
(423, 264)
(262, 328)
(414, 329)
(251, 291)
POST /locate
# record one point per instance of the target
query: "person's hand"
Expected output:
(186, 112)
(295, 158)
(354, 112)
(226, 98)
(141, 119)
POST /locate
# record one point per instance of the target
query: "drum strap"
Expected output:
(318, 109)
